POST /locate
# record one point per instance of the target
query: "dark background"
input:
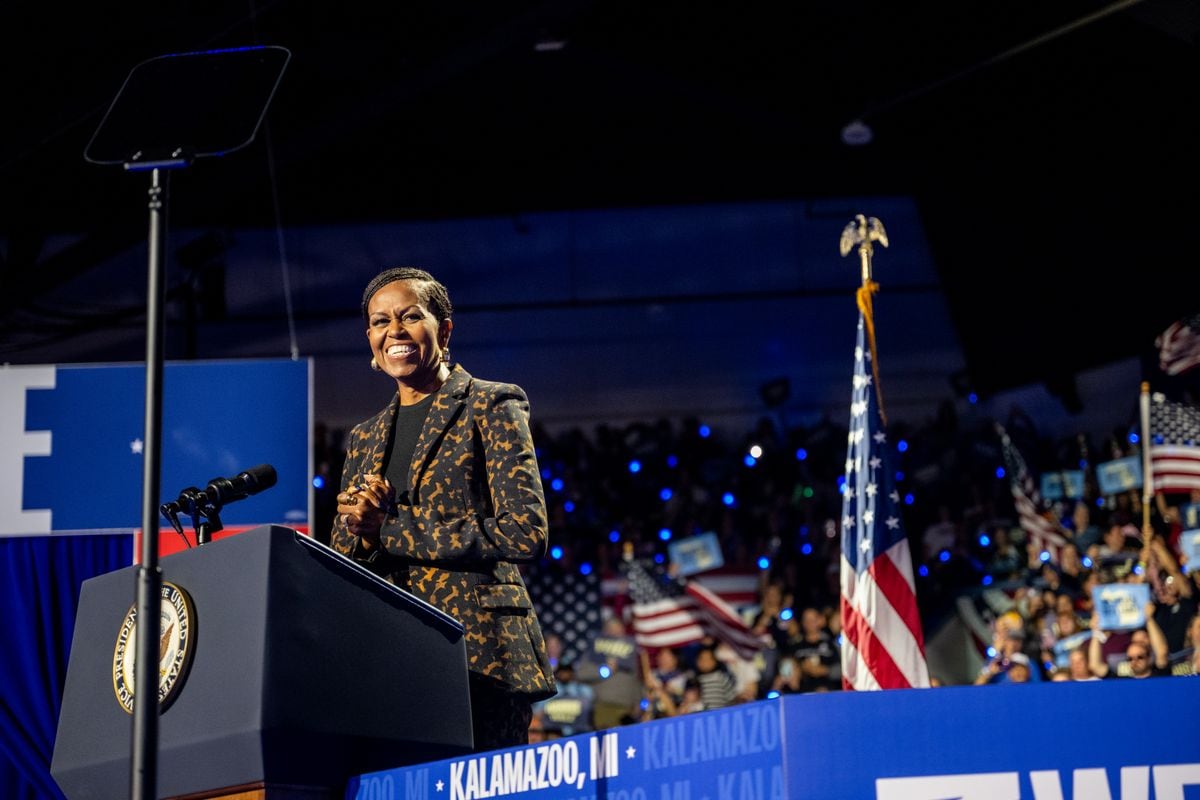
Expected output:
(1049, 147)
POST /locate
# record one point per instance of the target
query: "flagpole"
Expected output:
(862, 231)
(1147, 473)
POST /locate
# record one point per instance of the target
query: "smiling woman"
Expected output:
(441, 495)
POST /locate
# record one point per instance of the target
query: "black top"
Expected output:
(406, 431)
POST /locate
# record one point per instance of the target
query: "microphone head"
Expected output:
(259, 477)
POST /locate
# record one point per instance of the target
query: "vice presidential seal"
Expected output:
(175, 646)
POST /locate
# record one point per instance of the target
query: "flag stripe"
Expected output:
(869, 600)
(899, 594)
(857, 677)
(672, 613)
(1179, 346)
(871, 652)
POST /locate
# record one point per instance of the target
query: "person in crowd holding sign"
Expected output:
(441, 494)
(1144, 661)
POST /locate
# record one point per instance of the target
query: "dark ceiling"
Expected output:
(1050, 146)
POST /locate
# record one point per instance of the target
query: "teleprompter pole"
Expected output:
(143, 782)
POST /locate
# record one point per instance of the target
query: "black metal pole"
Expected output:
(144, 763)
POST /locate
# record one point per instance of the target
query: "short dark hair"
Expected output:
(431, 292)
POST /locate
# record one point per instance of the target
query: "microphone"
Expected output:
(254, 480)
(220, 491)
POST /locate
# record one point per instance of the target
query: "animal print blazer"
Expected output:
(477, 510)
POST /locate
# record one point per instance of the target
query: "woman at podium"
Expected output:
(441, 494)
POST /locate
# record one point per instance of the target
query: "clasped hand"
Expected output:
(364, 506)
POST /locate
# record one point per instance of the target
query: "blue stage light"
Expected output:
(556, 552)
(614, 536)
(635, 466)
(801, 454)
(764, 562)
(665, 534)
(318, 482)
(665, 495)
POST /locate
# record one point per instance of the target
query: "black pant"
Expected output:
(498, 718)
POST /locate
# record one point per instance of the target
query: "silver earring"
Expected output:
(374, 365)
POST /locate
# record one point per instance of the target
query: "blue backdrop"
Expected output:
(39, 592)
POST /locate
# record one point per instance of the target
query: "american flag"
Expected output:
(883, 646)
(1043, 531)
(568, 605)
(735, 585)
(1179, 346)
(670, 613)
(1174, 445)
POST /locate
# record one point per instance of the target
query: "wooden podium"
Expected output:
(301, 669)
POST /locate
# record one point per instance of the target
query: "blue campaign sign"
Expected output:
(696, 553)
(1052, 486)
(73, 441)
(1121, 606)
(1189, 543)
(1189, 515)
(1120, 475)
(914, 744)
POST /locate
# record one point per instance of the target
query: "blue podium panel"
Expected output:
(73, 441)
(1101, 740)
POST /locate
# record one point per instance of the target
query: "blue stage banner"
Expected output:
(71, 441)
(981, 743)
(734, 753)
(974, 743)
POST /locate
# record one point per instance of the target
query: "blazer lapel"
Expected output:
(447, 404)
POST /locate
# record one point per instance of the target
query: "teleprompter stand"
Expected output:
(171, 111)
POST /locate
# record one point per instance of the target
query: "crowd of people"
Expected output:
(772, 496)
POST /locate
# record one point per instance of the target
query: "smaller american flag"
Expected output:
(671, 613)
(1174, 445)
(883, 645)
(1179, 346)
(1043, 531)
